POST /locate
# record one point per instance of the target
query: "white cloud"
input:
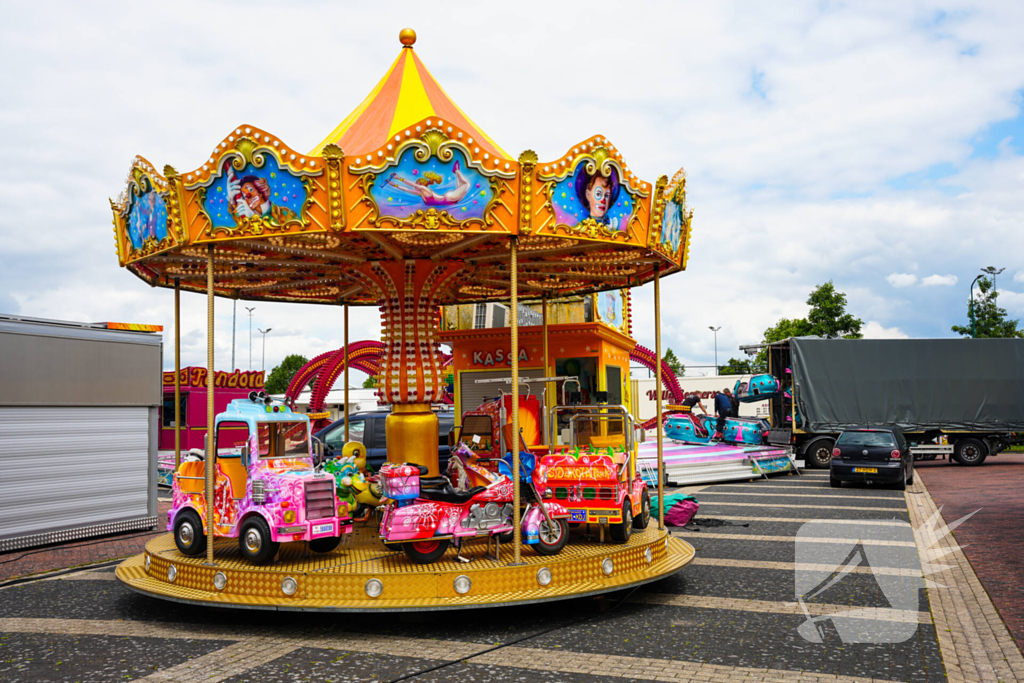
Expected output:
(1013, 302)
(939, 281)
(874, 330)
(901, 279)
(1019, 276)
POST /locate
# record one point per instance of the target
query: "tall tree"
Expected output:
(735, 367)
(827, 318)
(674, 363)
(281, 376)
(989, 319)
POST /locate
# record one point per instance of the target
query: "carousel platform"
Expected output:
(347, 579)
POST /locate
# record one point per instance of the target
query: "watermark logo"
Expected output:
(879, 564)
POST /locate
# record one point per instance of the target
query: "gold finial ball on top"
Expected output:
(407, 37)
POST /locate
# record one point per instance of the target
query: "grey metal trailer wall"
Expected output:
(916, 384)
(79, 409)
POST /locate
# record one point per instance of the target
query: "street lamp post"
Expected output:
(250, 309)
(264, 333)
(715, 330)
(971, 307)
(993, 271)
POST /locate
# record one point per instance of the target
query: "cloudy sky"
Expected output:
(880, 145)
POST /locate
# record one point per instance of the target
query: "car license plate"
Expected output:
(323, 528)
(865, 470)
(577, 515)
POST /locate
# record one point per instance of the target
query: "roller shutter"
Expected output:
(71, 468)
(472, 394)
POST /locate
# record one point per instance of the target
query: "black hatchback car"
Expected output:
(872, 455)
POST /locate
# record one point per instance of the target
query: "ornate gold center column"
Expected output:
(411, 377)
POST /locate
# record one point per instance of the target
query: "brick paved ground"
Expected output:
(732, 615)
(993, 539)
(88, 551)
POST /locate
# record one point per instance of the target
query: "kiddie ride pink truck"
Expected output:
(266, 491)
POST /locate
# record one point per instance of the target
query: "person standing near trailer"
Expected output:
(723, 408)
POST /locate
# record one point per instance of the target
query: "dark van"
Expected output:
(872, 455)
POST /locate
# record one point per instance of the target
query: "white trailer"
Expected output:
(78, 430)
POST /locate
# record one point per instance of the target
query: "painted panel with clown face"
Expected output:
(449, 186)
(147, 219)
(583, 195)
(266, 192)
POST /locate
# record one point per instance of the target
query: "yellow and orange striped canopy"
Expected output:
(408, 93)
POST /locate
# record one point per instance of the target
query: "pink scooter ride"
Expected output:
(429, 514)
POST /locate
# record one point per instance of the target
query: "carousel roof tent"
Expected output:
(406, 179)
(408, 93)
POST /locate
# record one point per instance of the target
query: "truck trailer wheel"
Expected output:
(970, 452)
(818, 453)
(188, 533)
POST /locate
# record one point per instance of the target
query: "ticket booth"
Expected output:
(588, 341)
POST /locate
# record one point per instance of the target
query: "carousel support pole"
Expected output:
(177, 373)
(547, 385)
(346, 372)
(657, 391)
(211, 449)
(517, 536)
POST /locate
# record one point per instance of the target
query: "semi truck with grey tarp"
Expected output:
(79, 410)
(961, 398)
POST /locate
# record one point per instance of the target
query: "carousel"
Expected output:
(407, 206)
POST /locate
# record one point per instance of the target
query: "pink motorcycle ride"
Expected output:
(429, 514)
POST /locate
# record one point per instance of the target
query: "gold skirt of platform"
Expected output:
(344, 579)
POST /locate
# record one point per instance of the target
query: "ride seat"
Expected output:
(450, 495)
(434, 482)
(190, 476)
(610, 441)
(236, 472)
